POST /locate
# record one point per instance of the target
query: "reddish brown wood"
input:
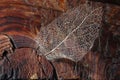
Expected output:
(26, 64)
(21, 18)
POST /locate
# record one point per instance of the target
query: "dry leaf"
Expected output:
(72, 34)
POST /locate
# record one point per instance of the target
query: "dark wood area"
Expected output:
(117, 2)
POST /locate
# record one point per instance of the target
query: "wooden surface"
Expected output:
(26, 64)
(27, 18)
